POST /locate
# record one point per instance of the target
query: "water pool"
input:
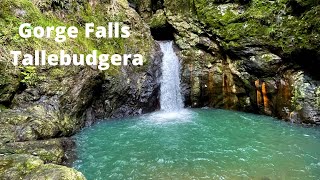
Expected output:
(198, 144)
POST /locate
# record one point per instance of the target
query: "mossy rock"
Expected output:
(55, 172)
(258, 23)
(9, 81)
(36, 122)
(21, 166)
(50, 151)
(18, 166)
(158, 20)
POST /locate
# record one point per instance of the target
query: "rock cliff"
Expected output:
(40, 106)
(251, 55)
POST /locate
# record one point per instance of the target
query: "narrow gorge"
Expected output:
(233, 77)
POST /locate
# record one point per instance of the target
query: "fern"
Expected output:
(30, 76)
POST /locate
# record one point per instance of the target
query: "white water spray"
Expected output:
(170, 98)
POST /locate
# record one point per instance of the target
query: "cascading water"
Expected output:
(170, 98)
(170, 92)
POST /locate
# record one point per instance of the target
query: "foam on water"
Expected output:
(161, 117)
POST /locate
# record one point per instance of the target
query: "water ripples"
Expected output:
(200, 144)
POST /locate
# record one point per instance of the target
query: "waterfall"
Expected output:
(170, 97)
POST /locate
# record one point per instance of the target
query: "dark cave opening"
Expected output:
(162, 33)
(308, 60)
(152, 6)
(157, 4)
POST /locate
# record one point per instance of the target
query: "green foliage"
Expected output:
(80, 13)
(57, 73)
(30, 76)
(158, 20)
(265, 23)
(75, 13)
(61, 3)
(2, 107)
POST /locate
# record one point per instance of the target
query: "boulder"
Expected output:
(21, 166)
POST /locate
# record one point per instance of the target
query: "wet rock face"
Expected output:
(230, 61)
(9, 81)
(249, 85)
(49, 110)
(132, 90)
(53, 102)
(130, 93)
(261, 83)
(40, 106)
(293, 97)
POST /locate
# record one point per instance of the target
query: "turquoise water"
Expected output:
(198, 144)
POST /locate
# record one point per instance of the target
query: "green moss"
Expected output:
(186, 7)
(30, 165)
(2, 107)
(265, 23)
(267, 57)
(10, 21)
(22, 166)
(18, 165)
(298, 91)
(158, 20)
(318, 97)
(57, 73)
